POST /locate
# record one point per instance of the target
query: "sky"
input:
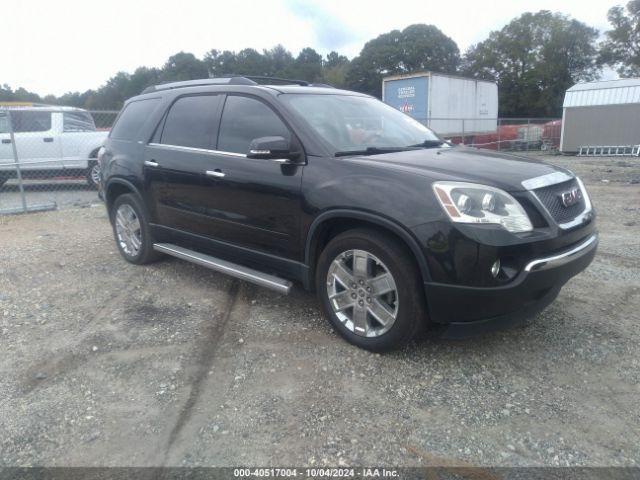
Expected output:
(56, 46)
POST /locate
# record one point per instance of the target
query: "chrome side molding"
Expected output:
(238, 271)
(562, 258)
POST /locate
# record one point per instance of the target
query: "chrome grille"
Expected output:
(550, 197)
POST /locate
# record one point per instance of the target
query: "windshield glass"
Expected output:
(353, 123)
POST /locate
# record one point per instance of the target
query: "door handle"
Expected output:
(6, 140)
(47, 139)
(151, 163)
(217, 173)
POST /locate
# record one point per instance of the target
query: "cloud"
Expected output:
(331, 33)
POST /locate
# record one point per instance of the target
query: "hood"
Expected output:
(463, 164)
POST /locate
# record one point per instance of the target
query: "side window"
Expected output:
(245, 119)
(130, 121)
(191, 122)
(78, 122)
(4, 123)
(30, 121)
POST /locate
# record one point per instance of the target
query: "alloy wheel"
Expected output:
(362, 293)
(95, 174)
(128, 230)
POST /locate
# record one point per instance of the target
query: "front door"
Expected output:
(37, 142)
(252, 203)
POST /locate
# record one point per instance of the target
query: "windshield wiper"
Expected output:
(372, 151)
(430, 144)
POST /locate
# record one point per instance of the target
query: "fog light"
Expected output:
(495, 268)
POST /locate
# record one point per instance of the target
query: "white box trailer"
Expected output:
(448, 104)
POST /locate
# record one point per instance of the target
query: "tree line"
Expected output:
(534, 59)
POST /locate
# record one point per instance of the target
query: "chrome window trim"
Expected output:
(546, 180)
(197, 150)
(562, 258)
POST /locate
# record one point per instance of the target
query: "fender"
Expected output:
(372, 218)
(120, 181)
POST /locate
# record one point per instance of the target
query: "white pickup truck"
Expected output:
(50, 141)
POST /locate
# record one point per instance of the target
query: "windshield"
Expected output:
(356, 124)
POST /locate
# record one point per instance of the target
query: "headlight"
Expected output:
(473, 203)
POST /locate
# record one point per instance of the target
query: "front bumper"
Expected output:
(464, 311)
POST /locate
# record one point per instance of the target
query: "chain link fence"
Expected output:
(508, 134)
(48, 156)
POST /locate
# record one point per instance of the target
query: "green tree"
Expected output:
(335, 69)
(279, 61)
(308, 65)
(220, 63)
(417, 47)
(534, 59)
(183, 66)
(7, 94)
(621, 49)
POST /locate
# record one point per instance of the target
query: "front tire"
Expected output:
(370, 289)
(131, 230)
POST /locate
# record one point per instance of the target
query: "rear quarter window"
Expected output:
(132, 118)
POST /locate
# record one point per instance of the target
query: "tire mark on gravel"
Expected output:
(209, 345)
(56, 364)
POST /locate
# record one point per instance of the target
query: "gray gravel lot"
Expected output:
(108, 364)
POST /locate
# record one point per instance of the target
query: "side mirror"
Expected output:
(272, 148)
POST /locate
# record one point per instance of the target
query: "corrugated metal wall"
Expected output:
(457, 98)
(600, 125)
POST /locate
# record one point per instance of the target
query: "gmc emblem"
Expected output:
(571, 197)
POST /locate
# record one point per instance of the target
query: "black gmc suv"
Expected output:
(394, 227)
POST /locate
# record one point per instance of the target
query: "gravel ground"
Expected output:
(59, 193)
(108, 364)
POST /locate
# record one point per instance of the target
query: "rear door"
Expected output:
(177, 159)
(77, 139)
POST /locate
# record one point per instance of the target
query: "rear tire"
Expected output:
(3, 179)
(93, 174)
(131, 230)
(370, 289)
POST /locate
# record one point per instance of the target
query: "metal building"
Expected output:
(603, 113)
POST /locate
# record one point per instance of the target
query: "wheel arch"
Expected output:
(116, 187)
(322, 227)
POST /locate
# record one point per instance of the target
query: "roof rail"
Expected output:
(278, 80)
(199, 83)
(285, 81)
(232, 80)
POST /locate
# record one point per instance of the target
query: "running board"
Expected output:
(223, 266)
